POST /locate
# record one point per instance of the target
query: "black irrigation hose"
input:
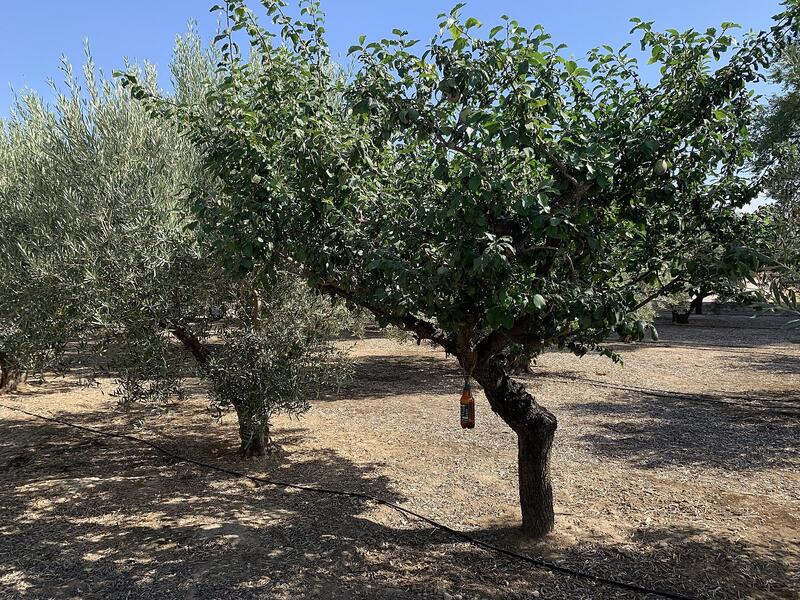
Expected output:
(744, 400)
(454, 532)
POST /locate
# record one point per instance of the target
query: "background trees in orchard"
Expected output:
(717, 265)
(98, 266)
(486, 192)
(778, 157)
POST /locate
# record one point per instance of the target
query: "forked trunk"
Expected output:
(535, 427)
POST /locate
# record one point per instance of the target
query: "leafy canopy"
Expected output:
(484, 190)
(94, 255)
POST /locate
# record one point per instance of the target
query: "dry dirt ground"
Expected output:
(697, 493)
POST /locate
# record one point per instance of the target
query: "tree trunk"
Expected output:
(535, 485)
(10, 374)
(697, 304)
(254, 434)
(681, 318)
(199, 350)
(3, 371)
(535, 427)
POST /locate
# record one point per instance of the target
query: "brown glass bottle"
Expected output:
(467, 407)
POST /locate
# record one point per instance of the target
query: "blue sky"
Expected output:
(34, 34)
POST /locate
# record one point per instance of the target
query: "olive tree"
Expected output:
(99, 264)
(275, 365)
(81, 185)
(486, 192)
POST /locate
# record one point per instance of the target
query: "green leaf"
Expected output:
(537, 57)
(472, 22)
(361, 107)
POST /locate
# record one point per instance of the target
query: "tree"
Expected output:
(777, 246)
(488, 193)
(718, 265)
(274, 366)
(10, 375)
(98, 264)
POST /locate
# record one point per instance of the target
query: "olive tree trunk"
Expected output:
(535, 427)
(254, 434)
(10, 374)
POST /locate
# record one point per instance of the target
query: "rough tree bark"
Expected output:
(198, 349)
(10, 374)
(254, 434)
(535, 427)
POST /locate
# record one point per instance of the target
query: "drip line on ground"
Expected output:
(544, 564)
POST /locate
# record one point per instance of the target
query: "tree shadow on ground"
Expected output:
(47, 387)
(746, 346)
(724, 332)
(777, 364)
(684, 559)
(90, 517)
(769, 401)
(653, 432)
(727, 332)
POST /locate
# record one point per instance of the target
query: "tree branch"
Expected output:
(200, 351)
(423, 329)
(657, 293)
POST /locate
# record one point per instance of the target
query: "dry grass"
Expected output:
(684, 493)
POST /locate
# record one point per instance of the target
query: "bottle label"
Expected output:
(464, 412)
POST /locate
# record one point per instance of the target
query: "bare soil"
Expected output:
(695, 492)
